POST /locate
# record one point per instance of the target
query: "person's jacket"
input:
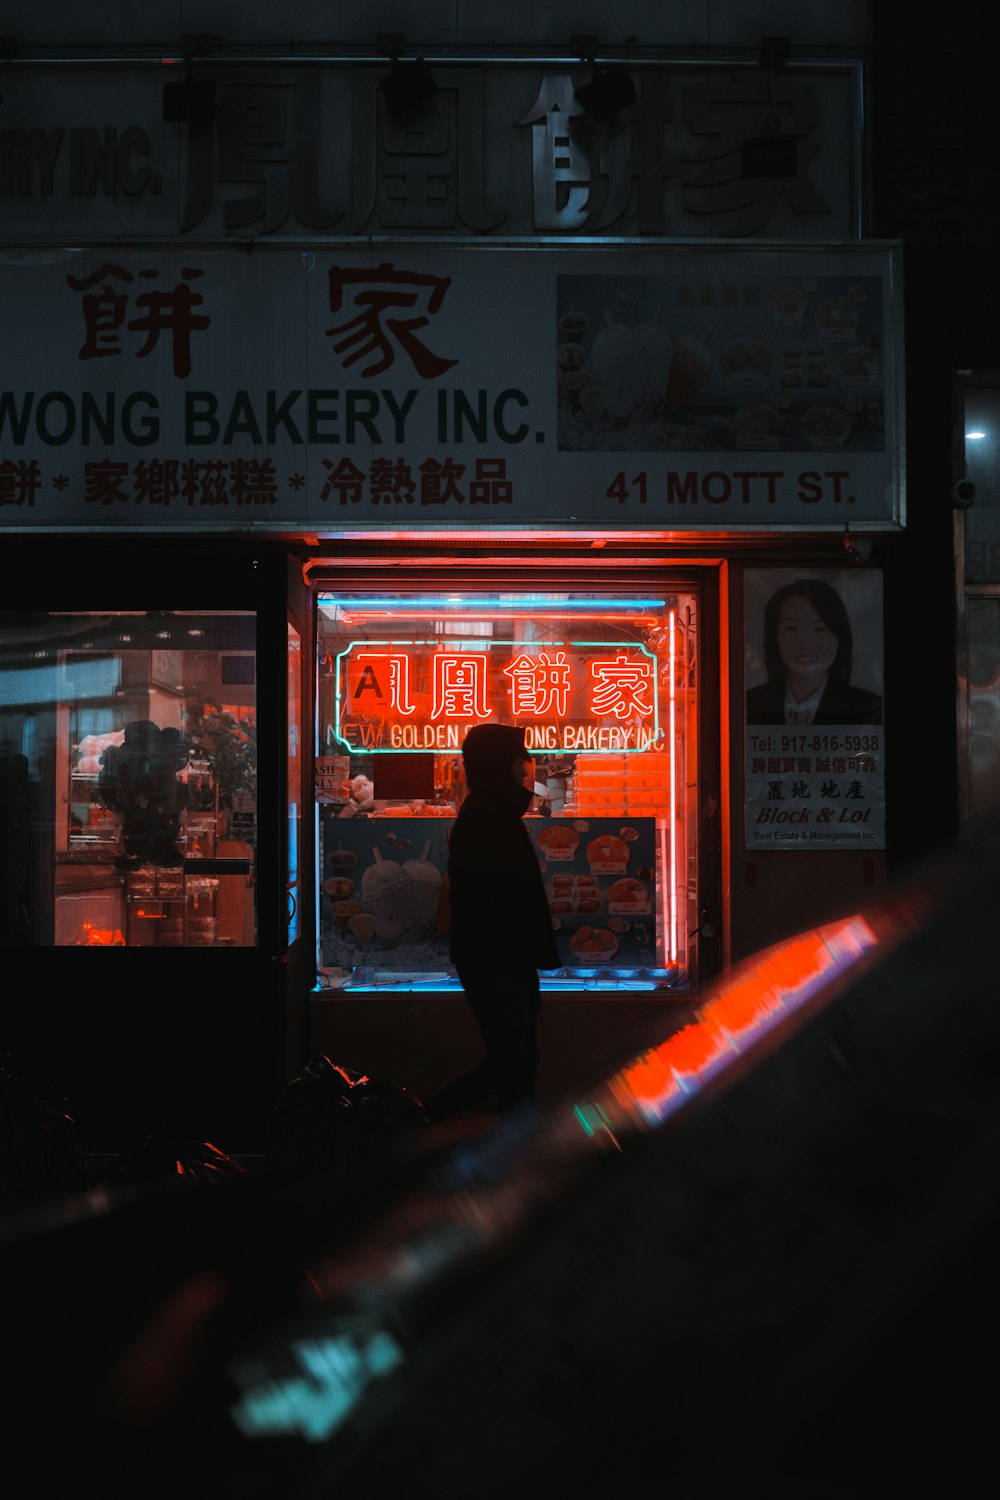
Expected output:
(499, 911)
(841, 703)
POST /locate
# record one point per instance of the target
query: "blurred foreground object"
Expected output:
(330, 1115)
(40, 1154)
(162, 1159)
(757, 1260)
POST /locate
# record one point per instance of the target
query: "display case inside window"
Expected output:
(139, 734)
(605, 688)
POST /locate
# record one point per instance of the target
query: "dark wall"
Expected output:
(934, 119)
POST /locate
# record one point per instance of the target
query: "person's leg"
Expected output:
(460, 1093)
(472, 1085)
(517, 1074)
(505, 1004)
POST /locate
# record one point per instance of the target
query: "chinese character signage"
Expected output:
(815, 716)
(687, 388)
(86, 153)
(569, 696)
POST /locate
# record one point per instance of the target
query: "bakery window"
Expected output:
(605, 689)
(133, 738)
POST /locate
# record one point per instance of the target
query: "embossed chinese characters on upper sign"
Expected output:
(494, 151)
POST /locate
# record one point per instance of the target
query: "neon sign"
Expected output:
(415, 696)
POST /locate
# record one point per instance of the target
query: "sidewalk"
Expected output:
(420, 1041)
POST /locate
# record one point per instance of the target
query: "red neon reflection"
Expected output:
(777, 982)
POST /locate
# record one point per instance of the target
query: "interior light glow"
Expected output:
(481, 603)
(974, 436)
(672, 665)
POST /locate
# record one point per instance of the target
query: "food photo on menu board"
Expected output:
(737, 361)
(385, 892)
(600, 878)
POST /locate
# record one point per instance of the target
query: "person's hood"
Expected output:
(487, 754)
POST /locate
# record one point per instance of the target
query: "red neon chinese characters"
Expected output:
(460, 686)
(387, 675)
(539, 685)
(621, 686)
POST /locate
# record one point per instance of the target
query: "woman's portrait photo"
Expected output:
(808, 651)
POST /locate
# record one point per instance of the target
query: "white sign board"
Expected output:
(685, 388)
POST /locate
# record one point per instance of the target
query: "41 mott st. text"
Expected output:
(731, 487)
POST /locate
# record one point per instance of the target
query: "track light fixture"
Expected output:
(771, 155)
(609, 90)
(606, 94)
(191, 100)
(407, 86)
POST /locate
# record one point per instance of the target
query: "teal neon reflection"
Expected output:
(314, 1402)
(584, 979)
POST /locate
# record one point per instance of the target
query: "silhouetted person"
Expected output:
(501, 928)
(139, 780)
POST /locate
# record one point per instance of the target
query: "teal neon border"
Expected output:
(652, 741)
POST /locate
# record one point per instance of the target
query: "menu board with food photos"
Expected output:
(385, 899)
(600, 877)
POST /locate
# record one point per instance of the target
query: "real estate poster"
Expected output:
(815, 730)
